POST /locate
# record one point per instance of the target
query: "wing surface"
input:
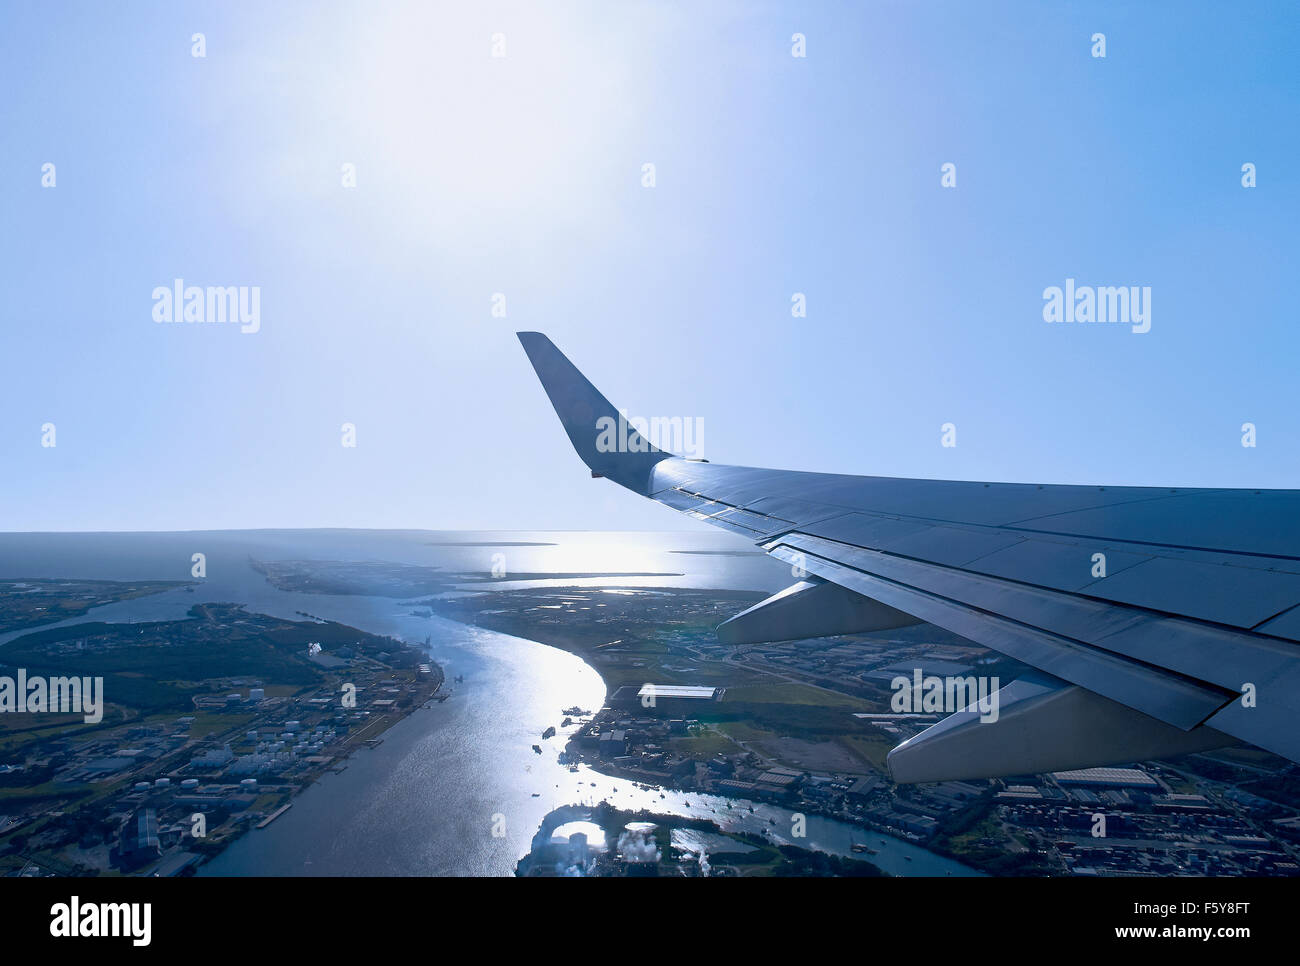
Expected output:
(1188, 638)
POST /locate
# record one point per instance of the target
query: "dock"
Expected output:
(274, 815)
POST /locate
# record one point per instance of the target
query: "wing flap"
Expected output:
(1168, 697)
(1040, 724)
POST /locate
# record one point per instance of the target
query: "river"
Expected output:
(455, 788)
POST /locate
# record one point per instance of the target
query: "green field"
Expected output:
(792, 692)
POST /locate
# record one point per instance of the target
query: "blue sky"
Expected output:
(522, 175)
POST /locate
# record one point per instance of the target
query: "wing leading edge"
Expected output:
(1185, 639)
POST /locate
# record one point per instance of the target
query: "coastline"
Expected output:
(700, 785)
(422, 802)
(181, 777)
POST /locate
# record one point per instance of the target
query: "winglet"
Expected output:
(599, 432)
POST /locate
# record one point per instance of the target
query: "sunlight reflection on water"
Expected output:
(427, 800)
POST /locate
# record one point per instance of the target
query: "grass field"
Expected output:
(792, 692)
(207, 724)
(705, 745)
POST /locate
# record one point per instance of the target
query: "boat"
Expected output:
(537, 748)
(548, 733)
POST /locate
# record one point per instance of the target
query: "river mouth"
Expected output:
(429, 798)
(455, 787)
(429, 778)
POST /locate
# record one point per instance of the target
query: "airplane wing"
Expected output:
(1159, 621)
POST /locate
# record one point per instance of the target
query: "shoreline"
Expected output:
(595, 658)
(187, 746)
(393, 618)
